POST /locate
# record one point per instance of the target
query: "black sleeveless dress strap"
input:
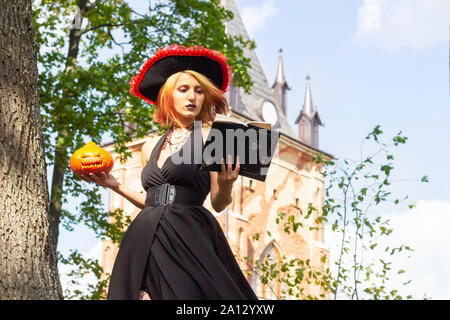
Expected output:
(177, 250)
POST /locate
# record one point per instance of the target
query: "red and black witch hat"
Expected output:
(174, 58)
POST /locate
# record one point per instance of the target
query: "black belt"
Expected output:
(170, 194)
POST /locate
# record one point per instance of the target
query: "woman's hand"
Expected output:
(222, 184)
(106, 180)
(226, 177)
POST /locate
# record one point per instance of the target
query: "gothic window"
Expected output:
(265, 281)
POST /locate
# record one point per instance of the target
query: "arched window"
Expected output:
(265, 284)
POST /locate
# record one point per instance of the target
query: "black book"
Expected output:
(253, 141)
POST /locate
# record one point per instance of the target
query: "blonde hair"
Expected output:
(215, 101)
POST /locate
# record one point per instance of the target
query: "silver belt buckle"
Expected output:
(165, 194)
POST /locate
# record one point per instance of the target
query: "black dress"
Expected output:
(176, 251)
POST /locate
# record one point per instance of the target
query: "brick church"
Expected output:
(293, 182)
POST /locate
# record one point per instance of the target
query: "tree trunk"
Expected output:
(28, 261)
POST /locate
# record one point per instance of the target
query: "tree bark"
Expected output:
(28, 260)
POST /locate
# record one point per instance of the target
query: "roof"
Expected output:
(261, 90)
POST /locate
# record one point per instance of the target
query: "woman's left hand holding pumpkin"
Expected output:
(103, 179)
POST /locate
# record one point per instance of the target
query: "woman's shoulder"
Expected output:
(152, 140)
(149, 145)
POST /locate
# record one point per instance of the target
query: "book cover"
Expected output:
(253, 141)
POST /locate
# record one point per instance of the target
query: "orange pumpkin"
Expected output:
(91, 159)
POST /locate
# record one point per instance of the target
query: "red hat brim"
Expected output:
(175, 58)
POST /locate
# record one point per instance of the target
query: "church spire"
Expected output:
(280, 77)
(280, 85)
(308, 120)
(308, 107)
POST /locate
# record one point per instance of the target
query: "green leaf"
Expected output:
(386, 169)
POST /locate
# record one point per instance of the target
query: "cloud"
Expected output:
(255, 17)
(425, 230)
(396, 24)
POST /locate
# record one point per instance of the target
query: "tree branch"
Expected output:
(118, 43)
(102, 25)
(139, 14)
(89, 8)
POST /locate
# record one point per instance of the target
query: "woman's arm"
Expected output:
(222, 185)
(135, 197)
(107, 180)
(221, 182)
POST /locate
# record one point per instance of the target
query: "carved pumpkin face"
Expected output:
(91, 159)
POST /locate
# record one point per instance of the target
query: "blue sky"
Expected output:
(374, 62)
(371, 62)
(358, 84)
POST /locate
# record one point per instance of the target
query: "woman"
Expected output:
(175, 248)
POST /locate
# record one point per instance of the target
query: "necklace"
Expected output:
(178, 144)
(169, 141)
(165, 141)
(178, 139)
(181, 134)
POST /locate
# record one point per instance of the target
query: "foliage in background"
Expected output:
(87, 52)
(354, 192)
